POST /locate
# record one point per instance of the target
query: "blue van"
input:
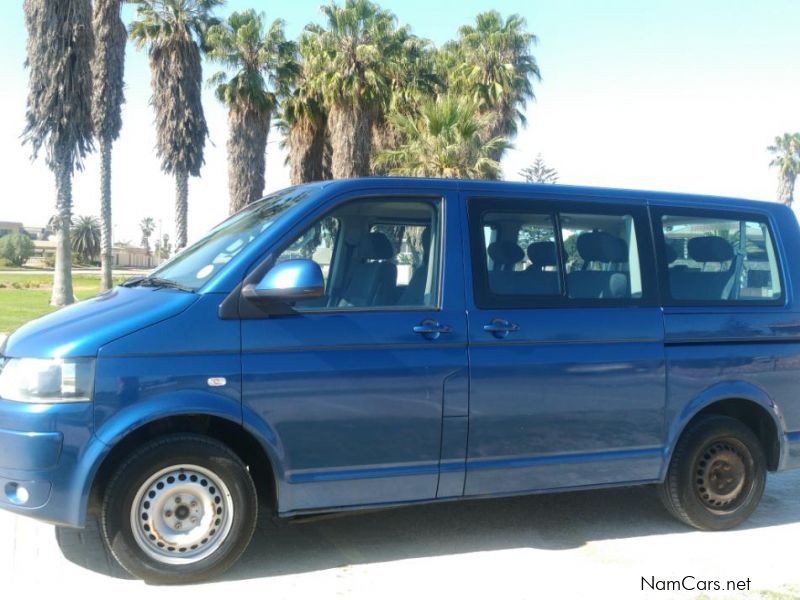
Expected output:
(382, 342)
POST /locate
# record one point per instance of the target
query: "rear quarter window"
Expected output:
(718, 259)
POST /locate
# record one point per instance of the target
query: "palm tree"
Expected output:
(353, 75)
(447, 139)
(173, 32)
(303, 119)
(108, 69)
(538, 172)
(263, 65)
(303, 123)
(86, 241)
(786, 157)
(58, 115)
(412, 78)
(147, 227)
(496, 68)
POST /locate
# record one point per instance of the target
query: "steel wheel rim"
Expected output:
(721, 476)
(181, 514)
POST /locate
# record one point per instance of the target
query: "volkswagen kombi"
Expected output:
(382, 342)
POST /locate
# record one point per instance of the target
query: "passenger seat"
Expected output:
(373, 279)
(503, 279)
(692, 284)
(538, 281)
(600, 247)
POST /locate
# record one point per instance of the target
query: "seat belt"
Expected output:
(736, 266)
(341, 284)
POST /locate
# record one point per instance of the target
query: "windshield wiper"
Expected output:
(156, 282)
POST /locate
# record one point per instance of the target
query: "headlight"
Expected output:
(46, 380)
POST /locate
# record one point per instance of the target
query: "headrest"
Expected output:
(711, 248)
(376, 246)
(542, 254)
(671, 252)
(602, 247)
(505, 253)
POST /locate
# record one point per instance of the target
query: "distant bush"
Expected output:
(16, 248)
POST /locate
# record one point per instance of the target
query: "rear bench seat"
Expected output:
(695, 284)
(600, 247)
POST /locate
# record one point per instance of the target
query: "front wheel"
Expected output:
(717, 474)
(181, 509)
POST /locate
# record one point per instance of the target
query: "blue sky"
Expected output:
(675, 95)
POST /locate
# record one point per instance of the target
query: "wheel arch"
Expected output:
(249, 444)
(744, 402)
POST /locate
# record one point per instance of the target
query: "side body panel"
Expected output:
(356, 398)
(574, 398)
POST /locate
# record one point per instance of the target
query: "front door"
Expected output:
(353, 386)
(567, 380)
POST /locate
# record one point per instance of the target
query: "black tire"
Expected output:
(716, 476)
(161, 455)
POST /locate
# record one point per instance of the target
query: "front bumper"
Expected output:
(44, 453)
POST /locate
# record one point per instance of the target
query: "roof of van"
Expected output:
(558, 190)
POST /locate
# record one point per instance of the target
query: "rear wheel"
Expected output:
(717, 474)
(181, 509)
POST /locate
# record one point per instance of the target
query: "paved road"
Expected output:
(576, 545)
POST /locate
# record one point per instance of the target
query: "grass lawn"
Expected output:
(27, 296)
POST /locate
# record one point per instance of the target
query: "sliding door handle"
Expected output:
(500, 328)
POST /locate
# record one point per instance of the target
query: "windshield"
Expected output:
(192, 267)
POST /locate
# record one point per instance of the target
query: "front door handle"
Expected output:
(500, 328)
(431, 329)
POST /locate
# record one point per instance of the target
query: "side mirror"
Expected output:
(295, 279)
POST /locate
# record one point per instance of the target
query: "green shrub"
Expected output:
(16, 248)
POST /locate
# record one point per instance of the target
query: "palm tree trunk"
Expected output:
(247, 148)
(306, 152)
(181, 208)
(351, 138)
(62, 276)
(105, 214)
(499, 127)
(384, 137)
(327, 154)
(786, 189)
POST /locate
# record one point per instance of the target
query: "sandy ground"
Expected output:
(597, 544)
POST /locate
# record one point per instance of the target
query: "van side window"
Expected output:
(719, 260)
(374, 254)
(521, 255)
(316, 243)
(601, 256)
(528, 253)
